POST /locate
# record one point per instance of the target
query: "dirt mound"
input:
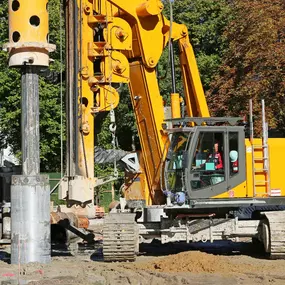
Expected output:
(198, 262)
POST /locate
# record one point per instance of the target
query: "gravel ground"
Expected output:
(221, 263)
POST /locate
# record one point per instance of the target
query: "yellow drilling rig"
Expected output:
(197, 178)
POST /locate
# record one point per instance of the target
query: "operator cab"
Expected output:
(204, 161)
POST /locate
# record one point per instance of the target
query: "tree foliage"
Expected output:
(206, 21)
(254, 66)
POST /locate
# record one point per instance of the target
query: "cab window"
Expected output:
(233, 154)
(208, 161)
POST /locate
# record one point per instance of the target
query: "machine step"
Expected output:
(260, 158)
(259, 146)
(258, 182)
(258, 170)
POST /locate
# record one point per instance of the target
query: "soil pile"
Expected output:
(199, 262)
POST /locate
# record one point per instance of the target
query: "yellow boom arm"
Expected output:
(121, 42)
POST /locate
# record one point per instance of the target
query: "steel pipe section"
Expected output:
(30, 219)
(28, 33)
(29, 49)
(30, 121)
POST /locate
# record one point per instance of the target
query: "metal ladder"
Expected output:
(264, 158)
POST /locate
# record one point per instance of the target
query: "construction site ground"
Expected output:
(219, 263)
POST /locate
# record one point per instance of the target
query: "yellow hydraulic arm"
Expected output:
(193, 91)
(121, 42)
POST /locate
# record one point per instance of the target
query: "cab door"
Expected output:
(210, 170)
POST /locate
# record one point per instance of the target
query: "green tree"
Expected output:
(206, 21)
(254, 65)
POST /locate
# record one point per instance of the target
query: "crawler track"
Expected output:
(119, 237)
(274, 234)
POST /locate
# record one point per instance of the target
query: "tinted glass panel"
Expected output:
(174, 175)
(233, 154)
(208, 161)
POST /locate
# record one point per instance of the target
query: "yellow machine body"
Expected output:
(127, 50)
